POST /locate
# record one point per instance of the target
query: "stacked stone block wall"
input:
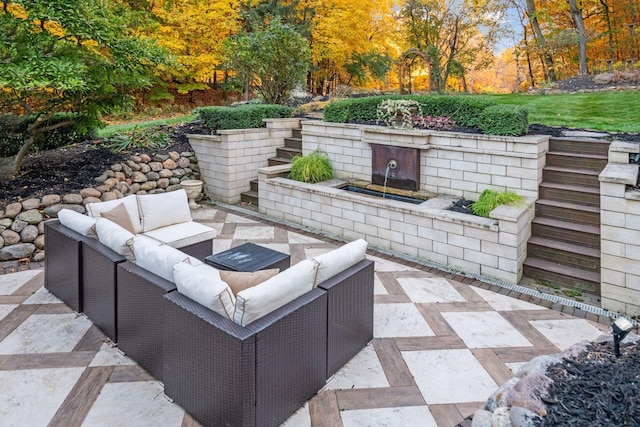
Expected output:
(620, 231)
(22, 222)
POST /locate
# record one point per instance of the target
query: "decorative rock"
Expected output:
(133, 165)
(29, 234)
(120, 176)
(482, 418)
(12, 210)
(501, 417)
(173, 156)
(538, 365)
(184, 162)
(122, 188)
(10, 237)
(110, 173)
(52, 211)
(169, 164)
(174, 181)
(160, 157)
(118, 194)
(111, 182)
(153, 176)
(193, 160)
(156, 191)
(178, 172)
(38, 257)
(116, 167)
(6, 222)
(526, 393)
(30, 204)
(522, 417)
(1, 242)
(88, 200)
(144, 158)
(499, 397)
(134, 188)
(103, 188)
(32, 216)
(135, 158)
(50, 199)
(41, 228)
(173, 187)
(109, 195)
(149, 185)
(141, 192)
(126, 169)
(89, 192)
(163, 183)
(156, 166)
(18, 225)
(603, 79)
(187, 154)
(72, 199)
(102, 178)
(138, 177)
(144, 168)
(18, 251)
(165, 173)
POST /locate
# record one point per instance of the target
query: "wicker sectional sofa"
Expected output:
(254, 370)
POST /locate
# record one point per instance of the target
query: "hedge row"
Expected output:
(13, 137)
(242, 117)
(464, 110)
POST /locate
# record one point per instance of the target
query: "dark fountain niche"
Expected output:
(395, 167)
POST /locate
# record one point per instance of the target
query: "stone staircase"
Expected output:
(564, 247)
(284, 155)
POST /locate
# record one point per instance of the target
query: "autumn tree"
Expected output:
(78, 57)
(274, 58)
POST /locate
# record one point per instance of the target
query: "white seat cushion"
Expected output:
(204, 286)
(160, 210)
(158, 258)
(183, 234)
(340, 259)
(130, 203)
(259, 300)
(115, 237)
(78, 222)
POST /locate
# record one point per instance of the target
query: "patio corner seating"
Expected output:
(86, 249)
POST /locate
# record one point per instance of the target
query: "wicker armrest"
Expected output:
(140, 315)
(63, 263)
(99, 285)
(350, 313)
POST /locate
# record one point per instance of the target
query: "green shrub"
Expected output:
(504, 120)
(315, 167)
(464, 110)
(12, 137)
(248, 116)
(152, 138)
(491, 199)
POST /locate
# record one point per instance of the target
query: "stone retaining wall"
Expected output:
(22, 223)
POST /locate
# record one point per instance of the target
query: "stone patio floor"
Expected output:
(442, 344)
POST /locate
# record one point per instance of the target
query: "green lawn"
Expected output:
(127, 127)
(617, 111)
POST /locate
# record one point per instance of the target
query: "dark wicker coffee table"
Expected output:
(249, 257)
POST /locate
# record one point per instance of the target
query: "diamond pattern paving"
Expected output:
(442, 344)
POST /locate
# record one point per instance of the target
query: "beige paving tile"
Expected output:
(483, 329)
(408, 416)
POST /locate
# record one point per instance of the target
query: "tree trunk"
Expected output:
(576, 14)
(542, 43)
(607, 19)
(528, 55)
(35, 129)
(453, 46)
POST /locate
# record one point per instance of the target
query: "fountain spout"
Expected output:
(392, 165)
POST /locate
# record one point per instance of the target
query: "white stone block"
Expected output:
(464, 241)
(448, 250)
(480, 258)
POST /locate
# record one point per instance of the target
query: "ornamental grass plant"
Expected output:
(491, 199)
(312, 168)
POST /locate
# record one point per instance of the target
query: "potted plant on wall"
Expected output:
(398, 113)
(312, 168)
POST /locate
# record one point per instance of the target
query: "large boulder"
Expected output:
(603, 79)
(21, 250)
(32, 216)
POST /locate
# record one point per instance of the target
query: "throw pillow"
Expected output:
(78, 222)
(157, 258)
(120, 216)
(130, 202)
(240, 280)
(253, 303)
(160, 210)
(204, 287)
(340, 259)
(115, 237)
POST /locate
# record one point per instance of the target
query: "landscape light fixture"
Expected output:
(621, 328)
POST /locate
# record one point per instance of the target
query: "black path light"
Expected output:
(621, 328)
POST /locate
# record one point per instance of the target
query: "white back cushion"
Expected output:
(259, 300)
(115, 237)
(340, 259)
(160, 210)
(130, 203)
(204, 286)
(157, 258)
(78, 222)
